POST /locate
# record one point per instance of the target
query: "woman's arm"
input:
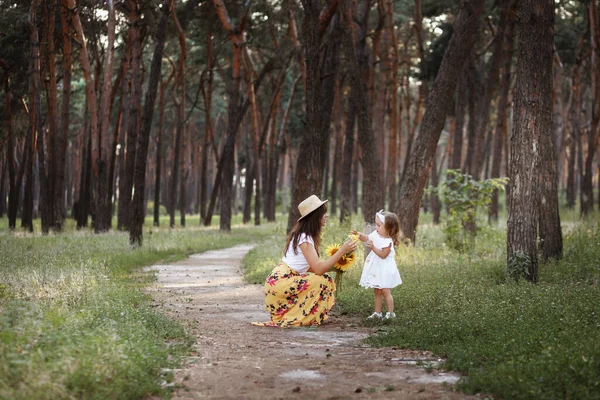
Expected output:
(321, 266)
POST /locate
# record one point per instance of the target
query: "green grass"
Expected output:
(75, 320)
(513, 340)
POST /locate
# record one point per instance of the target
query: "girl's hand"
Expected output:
(361, 236)
(369, 244)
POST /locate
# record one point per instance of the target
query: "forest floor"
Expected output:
(236, 360)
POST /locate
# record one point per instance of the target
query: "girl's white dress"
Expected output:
(380, 273)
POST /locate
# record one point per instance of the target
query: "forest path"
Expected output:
(235, 360)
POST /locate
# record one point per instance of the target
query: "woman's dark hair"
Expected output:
(311, 225)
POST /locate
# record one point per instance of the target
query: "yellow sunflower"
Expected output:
(343, 263)
(332, 249)
(346, 261)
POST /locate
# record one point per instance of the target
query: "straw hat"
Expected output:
(309, 205)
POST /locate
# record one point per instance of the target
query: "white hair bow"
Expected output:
(380, 215)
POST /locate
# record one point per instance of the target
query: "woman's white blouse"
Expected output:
(297, 262)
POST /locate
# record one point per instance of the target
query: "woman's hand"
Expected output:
(348, 246)
(321, 266)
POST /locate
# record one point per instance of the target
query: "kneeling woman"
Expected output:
(298, 291)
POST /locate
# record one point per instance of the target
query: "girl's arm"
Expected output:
(321, 266)
(383, 253)
(361, 236)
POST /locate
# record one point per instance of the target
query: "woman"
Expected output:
(298, 291)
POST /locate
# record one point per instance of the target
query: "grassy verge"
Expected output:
(509, 339)
(75, 321)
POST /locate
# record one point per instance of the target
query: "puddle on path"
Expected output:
(301, 374)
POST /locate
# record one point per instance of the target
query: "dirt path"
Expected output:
(235, 360)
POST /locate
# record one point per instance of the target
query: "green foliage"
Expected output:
(519, 265)
(463, 197)
(75, 319)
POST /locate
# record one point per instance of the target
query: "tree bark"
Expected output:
(207, 96)
(438, 101)
(475, 96)
(159, 138)
(357, 55)
(179, 162)
(52, 118)
(14, 183)
(347, 160)
(129, 151)
(138, 212)
(532, 120)
(236, 35)
(501, 133)
(308, 178)
(587, 188)
(62, 134)
(83, 202)
(35, 131)
(101, 146)
(490, 89)
(459, 123)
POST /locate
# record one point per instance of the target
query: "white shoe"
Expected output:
(390, 315)
(377, 315)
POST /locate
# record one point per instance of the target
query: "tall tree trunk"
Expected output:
(62, 134)
(435, 200)
(474, 87)
(501, 133)
(176, 167)
(102, 149)
(490, 88)
(236, 35)
(281, 146)
(91, 103)
(550, 232)
(392, 169)
(181, 129)
(575, 118)
(184, 176)
(83, 203)
(207, 96)
(138, 212)
(587, 188)
(3, 188)
(133, 128)
(438, 101)
(14, 183)
(159, 137)
(347, 161)
(358, 57)
(52, 118)
(35, 131)
(256, 167)
(532, 120)
(338, 134)
(308, 177)
(459, 123)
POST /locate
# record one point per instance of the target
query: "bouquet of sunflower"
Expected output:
(344, 263)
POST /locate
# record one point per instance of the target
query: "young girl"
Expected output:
(380, 271)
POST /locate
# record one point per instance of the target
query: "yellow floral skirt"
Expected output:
(295, 299)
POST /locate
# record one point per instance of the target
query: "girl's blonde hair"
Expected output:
(392, 226)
